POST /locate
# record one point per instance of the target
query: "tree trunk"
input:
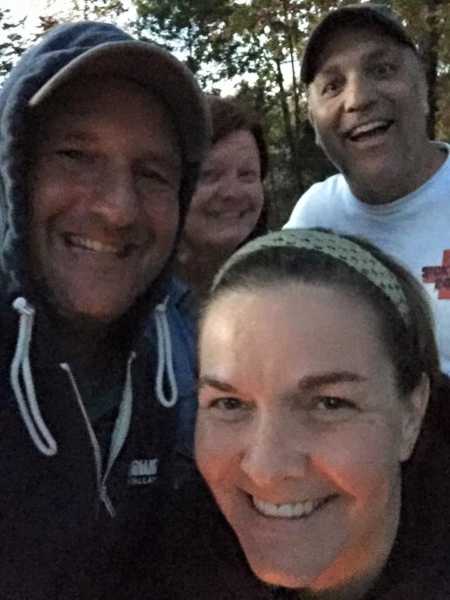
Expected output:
(429, 45)
(290, 136)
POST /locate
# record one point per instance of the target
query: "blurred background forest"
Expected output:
(252, 49)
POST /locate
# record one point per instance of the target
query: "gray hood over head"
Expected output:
(65, 52)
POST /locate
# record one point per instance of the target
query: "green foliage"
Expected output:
(260, 43)
(93, 10)
(12, 41)
(263, 41)
(428, 21)
(98, 9)
(195, 27)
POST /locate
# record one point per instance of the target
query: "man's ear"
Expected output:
(423, 94)
(425, 103)
(310, 115)
(422, 88)
(414, 413)
(312, 122)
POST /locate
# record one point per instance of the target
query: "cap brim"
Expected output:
(153, 67)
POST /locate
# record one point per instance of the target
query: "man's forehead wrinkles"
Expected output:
(91, 132)
(334, 61)
(69, 134)
(327, 71)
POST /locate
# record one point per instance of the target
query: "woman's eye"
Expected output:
(248, 175)
(333, 403)
(332, 408)
(227, 404)
(224, 408)
(208, 175)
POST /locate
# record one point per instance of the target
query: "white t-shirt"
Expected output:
(414, 229)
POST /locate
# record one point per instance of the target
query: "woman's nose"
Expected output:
(274, 453)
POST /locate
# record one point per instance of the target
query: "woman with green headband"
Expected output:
(322, 435)
(317, 360)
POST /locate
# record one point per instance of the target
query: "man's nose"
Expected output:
(360, 93)
(116, 198)
(275, 452)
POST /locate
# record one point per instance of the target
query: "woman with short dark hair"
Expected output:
(227, 209)
(228, 206)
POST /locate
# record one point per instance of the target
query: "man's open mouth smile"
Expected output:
(120, 250)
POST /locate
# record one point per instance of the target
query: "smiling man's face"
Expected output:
(104, 196)
(368, 106)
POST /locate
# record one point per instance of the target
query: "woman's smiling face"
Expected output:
(301, 432)
(229, 197)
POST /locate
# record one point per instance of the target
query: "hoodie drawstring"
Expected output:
(28, 406)
(165, 357)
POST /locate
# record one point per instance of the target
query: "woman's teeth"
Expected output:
(287, 511)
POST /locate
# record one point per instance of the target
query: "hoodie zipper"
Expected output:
(118, 437)
(91, 433)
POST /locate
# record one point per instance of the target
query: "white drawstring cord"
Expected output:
(165, 357)
(37, 429)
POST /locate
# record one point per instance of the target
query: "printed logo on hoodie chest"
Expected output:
(143, 471)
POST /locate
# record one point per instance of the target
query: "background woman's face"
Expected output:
(301, 431)
(229, 198)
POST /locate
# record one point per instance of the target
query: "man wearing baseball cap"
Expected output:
(367, 100)
(101, 137)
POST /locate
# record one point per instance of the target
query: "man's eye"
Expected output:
(72, 154)
(152, 175)
(149, 179)
(330, 88)
(384, 69)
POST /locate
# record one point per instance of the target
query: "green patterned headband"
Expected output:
(342, 249)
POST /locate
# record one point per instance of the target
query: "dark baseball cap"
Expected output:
(102, 49)
(365, 15)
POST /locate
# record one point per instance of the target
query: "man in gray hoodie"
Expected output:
(101, 137)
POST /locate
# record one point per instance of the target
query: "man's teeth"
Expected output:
(368, 128)
(93, 245)
(287, 511)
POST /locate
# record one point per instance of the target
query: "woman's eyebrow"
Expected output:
(206, 380)
(309, 382)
